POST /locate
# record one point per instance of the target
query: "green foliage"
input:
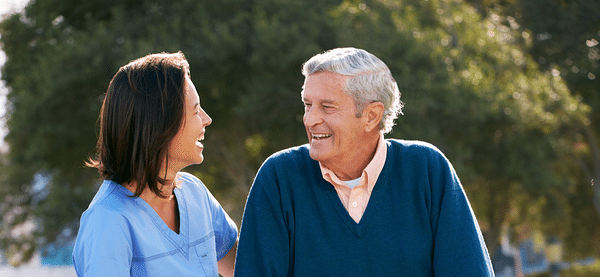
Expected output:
(468, 85)
(576, 271)
(582, 271)
(471, 90)
(244, 60)
(562, 38)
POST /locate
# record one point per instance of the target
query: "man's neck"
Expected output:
(352, 168)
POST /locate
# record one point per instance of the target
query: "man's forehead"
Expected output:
(324, 82)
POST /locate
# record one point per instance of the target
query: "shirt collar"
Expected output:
(370, 173)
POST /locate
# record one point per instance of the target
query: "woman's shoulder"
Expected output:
(110, 207)
(188, 179)
(111, 196)
(189, 183)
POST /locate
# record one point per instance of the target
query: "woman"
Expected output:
(147, 218)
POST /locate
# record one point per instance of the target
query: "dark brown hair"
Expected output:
(142, 111)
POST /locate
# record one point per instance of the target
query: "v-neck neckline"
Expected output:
(359, 228)
(179, 241)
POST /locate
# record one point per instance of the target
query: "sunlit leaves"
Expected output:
(468, 81)
(470, 88)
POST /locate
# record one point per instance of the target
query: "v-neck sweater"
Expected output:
(355, 194)
(120, 235)
(418, 221)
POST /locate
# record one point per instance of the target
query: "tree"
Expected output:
(562, 39)
(243, 55)
(471, 90)
(467, 85)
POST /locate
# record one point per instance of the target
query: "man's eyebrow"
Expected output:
(326, 101)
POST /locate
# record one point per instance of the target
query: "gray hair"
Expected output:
(371, 80)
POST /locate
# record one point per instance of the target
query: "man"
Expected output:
(351, 203)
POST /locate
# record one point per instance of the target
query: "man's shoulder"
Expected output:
(290, 154)
(417, 153)
(412, 146)
(288, 162)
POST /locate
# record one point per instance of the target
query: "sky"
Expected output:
(6, 7)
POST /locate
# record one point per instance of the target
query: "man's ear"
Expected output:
(373, 112)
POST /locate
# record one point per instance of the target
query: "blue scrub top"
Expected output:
(123, 236)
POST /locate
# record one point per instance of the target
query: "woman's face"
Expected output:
(186, 147)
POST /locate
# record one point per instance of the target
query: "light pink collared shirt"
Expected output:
(355, 199)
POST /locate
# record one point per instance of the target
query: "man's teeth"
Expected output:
(321, 136)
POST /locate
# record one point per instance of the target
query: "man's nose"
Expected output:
(312, 117)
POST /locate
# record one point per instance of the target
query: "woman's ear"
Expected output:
(373, 113)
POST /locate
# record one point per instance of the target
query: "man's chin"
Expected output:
(315, 154)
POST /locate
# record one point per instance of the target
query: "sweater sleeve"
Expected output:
(264, 244)
(459, 248)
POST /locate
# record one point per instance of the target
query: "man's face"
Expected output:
(333, 130)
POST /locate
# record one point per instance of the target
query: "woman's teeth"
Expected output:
(199, 141)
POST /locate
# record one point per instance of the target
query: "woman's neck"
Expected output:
(166, 190)
(166, 206)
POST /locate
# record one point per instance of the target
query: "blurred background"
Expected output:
(507, 89)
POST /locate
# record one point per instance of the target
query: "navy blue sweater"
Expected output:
(418, 221)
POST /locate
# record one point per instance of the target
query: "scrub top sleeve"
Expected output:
(224, 227)
(103, 245)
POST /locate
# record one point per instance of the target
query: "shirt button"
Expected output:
(354, 204)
